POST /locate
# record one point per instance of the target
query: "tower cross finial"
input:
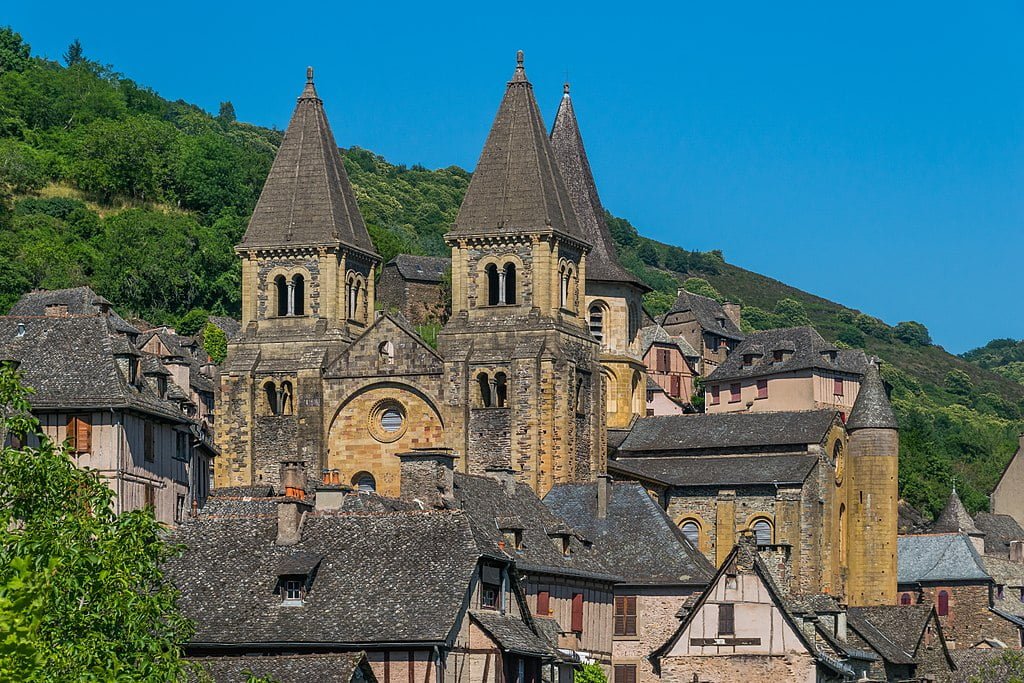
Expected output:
(309, 74)
(519, 59)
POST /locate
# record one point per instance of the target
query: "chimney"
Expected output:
(1017, 551)
(289, 521)
(604, 493)
(293, 478)
(427, 476)
(733, 311)
(506, 475)
(330, 494)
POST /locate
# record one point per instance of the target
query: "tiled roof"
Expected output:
(636, 539)
(511, 633)
(602, 261)
(938, 557)
(709, 314)
(872, 409)
(805, 349)
(517, 185)
(891, 630)
(971, 661)
(307, 199)
(727, 431)
(340, 667)
(911, 521)
(229, 326)
(695, 470)
(400, 577)
(421, 268)
(653, 334)
(954, 518)
(1010, 575)
(999, 531)
(79, 301)
(187, 349)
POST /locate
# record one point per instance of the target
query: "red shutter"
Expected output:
(716, 397)
(625, 673)
(734, 393)
(837, 389)
(577, 613)
(675, 389)
(726, 620)
(943, 607)
(543, 603)
(762, 388)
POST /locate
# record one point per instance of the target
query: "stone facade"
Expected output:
(1007, 498)
(657, 610)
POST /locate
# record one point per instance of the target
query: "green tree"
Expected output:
(657, 303)
(589, 673)
(215, 343)
(74, 54)
(14, 52)
(85, 584)
(648, 253)
(913, 333)
(1007, 667)
(193, 321)
(698, 285)
(790, 313)
(958, 383)
(226, 113)
(125, 158)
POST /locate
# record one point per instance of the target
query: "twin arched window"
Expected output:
(355, 285)
(278, 398)
(493, 390)
(501, 284)
(597, 311)
(567, 274)
(291, 295)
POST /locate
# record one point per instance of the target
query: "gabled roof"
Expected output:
(420, 268)
(517, 185)
(805, 349)
(307, 200)
(954, 518)
(999, 531)
(602, 261)
(656, 334)
(727, 432)
(689, 470)
(80, 301)
(511, 633)
(872, 409)
(929, 558)
(635, 539)
(893, 631)
(709, 314)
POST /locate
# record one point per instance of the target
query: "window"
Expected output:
(149, 496)
(284, 398)
(625, 673)
(842, 533)
(149, 445)
(386, 353)
(726, 620)
(181, 446)
(298, 295)
(762, 388)
(364, 482)
(80, 434)
(291, 591)
(281, 287)
(391, 420)
(597, 322)
(664, 360)
(905, 599)
(543, 603)
(675, 386)
(489, 593)
(509, 289)
(837, 387)
(577, 613)
(943, 603)
(179, 509)
(625, 615)
(500, 390)
(691, 531)
(716, 396)
(270, 392)
(763, 532)
(734, 393)
(748, 360)
(778, 356)
(513, 538)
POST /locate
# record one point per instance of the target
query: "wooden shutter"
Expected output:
(577, 612)
(625, 673)
(762, 388)
(149, 447)
(837, 387)
(675, 389)
(726, 620)
(80, 434)
(625, 615)
(543, 603)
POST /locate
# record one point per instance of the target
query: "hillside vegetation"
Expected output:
(103, 182)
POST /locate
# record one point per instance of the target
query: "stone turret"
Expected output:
(872, 495)
(954, 519)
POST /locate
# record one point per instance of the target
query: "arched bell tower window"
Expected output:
(500, 390)
(493, 288)
(484, 384)
(597, 321)
(510, 283)
(284, 398)
(281, 286)
(270, 392)
(298, 295)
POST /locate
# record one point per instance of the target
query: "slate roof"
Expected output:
(517, 185)
(727, 431)
(636, 539)
(567, 142)
(709, 314)
(420, 268)
(719, 470)
(400, 577)
(307, 199)
(808, 351)
(954, 518)
(511, 633)
(999, 530)
(893, 631)
(70, 363)
(872, 409)
(652, 334)
(229, 326)
(928, 558)
(1010, 575)
(339, 667)
(80, 301)
(182, 347)
(911, 521)
(971, 661)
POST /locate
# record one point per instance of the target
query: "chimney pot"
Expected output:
(293, 478)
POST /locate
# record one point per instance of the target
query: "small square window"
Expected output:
(489, 596)
(291, 591)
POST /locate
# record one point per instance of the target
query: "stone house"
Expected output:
(192, 373)
(658, 570)
(906, 639)
(1006, 497)
(659, 402)
(786, 369)
(117, 406)
(414, 286)
(671, 363)
(709, 327)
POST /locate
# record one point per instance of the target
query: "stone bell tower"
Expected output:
(521, 366)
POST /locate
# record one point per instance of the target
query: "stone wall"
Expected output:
(792, 667)
(969, 619)
(656, 621)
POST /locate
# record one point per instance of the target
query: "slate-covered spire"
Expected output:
(517, 186)
(954, 518)
(602, 261)
(307, 199)
(872, 409)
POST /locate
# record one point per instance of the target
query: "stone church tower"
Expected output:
(870, 527)
(307, 291)
(522, 378)
(614, 296)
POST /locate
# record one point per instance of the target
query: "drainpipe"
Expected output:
(120, 459)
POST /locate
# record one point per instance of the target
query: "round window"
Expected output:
(391, 420)
(387, 421)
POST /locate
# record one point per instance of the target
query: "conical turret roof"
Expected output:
(954, 518)
(307, 199)
(567, 142)
(872, 409)
(517, 186)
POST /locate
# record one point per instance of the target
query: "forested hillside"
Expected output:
(103, 182)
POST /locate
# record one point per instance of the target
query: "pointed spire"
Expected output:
(872, 409)
(307, 199)
(954, 518)
(602, 262)
(517, 185)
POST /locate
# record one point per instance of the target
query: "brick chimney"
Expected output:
(427, 476)
(506, 475)
(293, 478)
(330, 493)
(604, 494)
(290, 513)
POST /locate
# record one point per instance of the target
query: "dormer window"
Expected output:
(748, 360)
(161, 386)
(721, 323)
(292, 592)
(489, 593)
(562, 543)
(513, 538)
(133, 371)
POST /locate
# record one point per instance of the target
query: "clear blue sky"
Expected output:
(871, 153)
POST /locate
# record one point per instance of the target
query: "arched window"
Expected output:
(842, 533)
(597, 321)
(608, 384)
(493, 289)
(510, 283)
(356, 294)
(273, 406)
(386, 352)
(564, 298)
(298, 295)
(763, 532)
(905, 599)
(577, 396)
(281, 286)
(284, 401)
(364, 482)
(691, 530)
(483, 381)
(943, 603)
(500, 390)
